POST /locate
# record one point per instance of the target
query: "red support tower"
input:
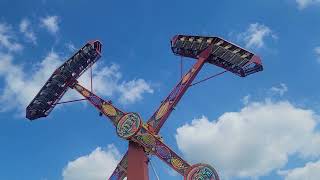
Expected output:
(137, 162)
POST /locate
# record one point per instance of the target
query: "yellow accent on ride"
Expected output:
(85, 93)
(163, 109)
(177, 163)
(109, 110)
(186, 78)
(148, 139)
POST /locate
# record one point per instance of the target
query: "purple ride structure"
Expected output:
(143, 137)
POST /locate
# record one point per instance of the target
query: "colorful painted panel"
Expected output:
(160, 116)
(201, 171)
(95, 100)
(162, 110)
(108, 110)
(178, 163)
(105, 107)
(163, 152)
(147, 140)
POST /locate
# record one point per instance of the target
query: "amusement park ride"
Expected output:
(143, 137)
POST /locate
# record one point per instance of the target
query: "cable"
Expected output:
(153, 169)
(91, 87)
(181, 66)
(65, 102)
(91, 78)
(215, 75)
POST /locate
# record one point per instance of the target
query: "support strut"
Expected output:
(137, 162)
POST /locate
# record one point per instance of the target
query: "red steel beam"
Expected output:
(162, 113)
(105, 107)
(121, 170)
(137, 162)
(154, 145)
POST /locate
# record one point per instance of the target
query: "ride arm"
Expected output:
(114, 114)
(121, 170)
(154, 145)
(162, 113)
(105, 107)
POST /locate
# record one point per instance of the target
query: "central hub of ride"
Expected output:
(129, 125)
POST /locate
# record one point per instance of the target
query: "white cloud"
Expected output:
(305, 3)
(95, 166)
(21, 85)
(105, 79)
(245, 100)
(26, 29)
(317, 51)
(311, 171)
(256, 35)
(7, 39)
(132, 91)
(51, 23)
(252, 142)
(281, 89)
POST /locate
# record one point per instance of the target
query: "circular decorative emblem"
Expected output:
(201, 172)
(186, 78)
(163, 152)
(177, 163)
(163, 109)
(109, 110)
(128, 125)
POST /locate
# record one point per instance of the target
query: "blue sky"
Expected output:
(265, 126)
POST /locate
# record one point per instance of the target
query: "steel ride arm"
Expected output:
(162, 113)
(114, 114)
(105, 107)
(154, 145)
(121, 170)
